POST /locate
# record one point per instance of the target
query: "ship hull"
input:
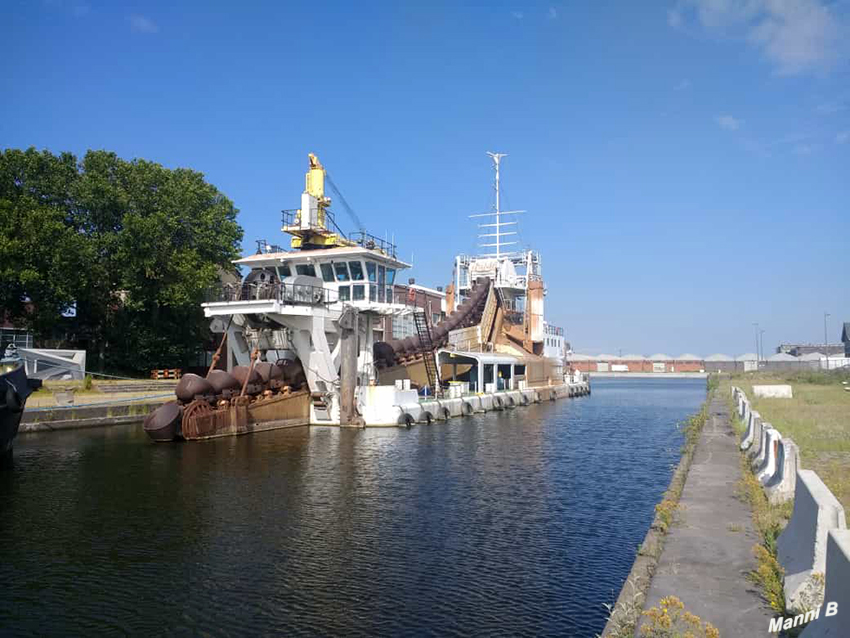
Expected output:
(15, 388)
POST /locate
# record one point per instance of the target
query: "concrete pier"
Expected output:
(709, 550)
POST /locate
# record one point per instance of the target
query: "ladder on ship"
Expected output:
(426, 349)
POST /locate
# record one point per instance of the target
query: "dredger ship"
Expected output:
(299, 341)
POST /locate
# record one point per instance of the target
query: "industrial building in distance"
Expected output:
(663, 363)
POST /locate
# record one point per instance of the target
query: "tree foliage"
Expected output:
(130, 245)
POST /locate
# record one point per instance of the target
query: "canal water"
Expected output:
(516, 523)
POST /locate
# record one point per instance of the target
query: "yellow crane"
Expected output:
(309, 228)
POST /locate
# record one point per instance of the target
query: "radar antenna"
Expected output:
(498, 243)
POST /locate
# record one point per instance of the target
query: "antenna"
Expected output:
(499, 234)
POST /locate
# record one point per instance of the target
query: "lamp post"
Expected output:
(826, 338)
(761, 342)
(758, 356)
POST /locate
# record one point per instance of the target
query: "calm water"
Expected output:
(515, 523)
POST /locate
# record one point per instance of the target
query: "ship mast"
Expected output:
(497, 213)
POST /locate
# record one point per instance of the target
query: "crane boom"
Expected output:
(348, 209)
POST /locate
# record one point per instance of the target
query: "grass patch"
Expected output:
(817, 418)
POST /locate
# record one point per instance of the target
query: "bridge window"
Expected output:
(327, 272)
(372, 270)
(344, 293)
(356, 270)
(284, 270)
(382, 277)
(391, 276)
(341, 271)
(305, 269)
(358, 292)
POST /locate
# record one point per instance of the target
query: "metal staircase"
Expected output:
(426, 349)
(511, 315)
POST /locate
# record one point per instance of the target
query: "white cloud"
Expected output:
(843, 137)
(797, 36)
(684, 84)
(829, 108)
(141, 24)
(674, 18)
(553, 13)
(519, 15)
(728, 122)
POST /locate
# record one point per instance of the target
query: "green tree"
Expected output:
(131, 245)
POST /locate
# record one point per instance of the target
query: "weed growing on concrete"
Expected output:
(664, 513)
(670, 620)
(624, 614)
(768, 576)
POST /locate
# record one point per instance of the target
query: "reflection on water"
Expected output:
(514, 523)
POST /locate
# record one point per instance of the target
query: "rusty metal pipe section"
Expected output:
(467, 314)
(191, 385)
(220, 391)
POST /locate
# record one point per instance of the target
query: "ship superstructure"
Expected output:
(495, 337)
(516, 274)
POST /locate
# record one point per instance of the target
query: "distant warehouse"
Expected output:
(688, 362)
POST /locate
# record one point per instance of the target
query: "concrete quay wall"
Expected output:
(46, 420)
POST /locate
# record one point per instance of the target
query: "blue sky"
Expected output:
(685, 164)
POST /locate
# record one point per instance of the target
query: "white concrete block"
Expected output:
(773, 391)
(767, 467)
(801, 548)
(758, 432)
(780, 487)
(749, 434)
(759, 457)
(837, 590)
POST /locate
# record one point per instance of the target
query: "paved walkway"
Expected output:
(708, 553)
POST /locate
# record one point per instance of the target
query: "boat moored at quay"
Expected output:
(15, 388)
(299, 344)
